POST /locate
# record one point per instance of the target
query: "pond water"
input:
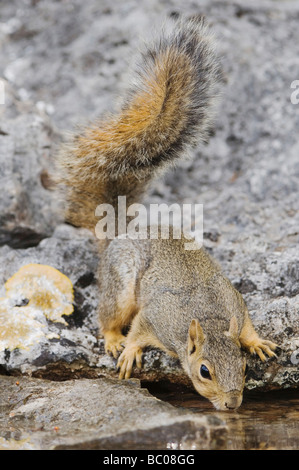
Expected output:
(265, 420)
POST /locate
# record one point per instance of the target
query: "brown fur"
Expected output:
(169, 109)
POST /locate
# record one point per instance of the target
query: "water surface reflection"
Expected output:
(266, 420)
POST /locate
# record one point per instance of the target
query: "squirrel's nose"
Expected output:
(233, 402)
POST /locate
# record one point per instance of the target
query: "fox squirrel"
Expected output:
(170, 298)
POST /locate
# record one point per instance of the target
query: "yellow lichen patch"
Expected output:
(19, 327)
(46, 288)
(33, 295)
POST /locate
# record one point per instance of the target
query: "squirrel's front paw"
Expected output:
(259, 346)
(114, 343)
(126, 360)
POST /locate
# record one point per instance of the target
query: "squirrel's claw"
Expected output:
(260, 346)
(114, 344)
(130, 354)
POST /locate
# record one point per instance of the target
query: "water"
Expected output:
(264, 420)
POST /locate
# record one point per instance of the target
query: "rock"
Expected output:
(35, 294)
(70, 338)
(28, 209)
(90, 414)
(41, 288)
(62, 63)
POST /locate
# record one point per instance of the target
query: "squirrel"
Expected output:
(163, 295)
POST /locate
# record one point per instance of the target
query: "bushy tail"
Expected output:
(169, 108)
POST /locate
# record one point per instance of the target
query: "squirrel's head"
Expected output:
(216, 365)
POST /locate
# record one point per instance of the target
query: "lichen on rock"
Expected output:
(34, 294)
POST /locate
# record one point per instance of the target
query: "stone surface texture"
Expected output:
(63, 64)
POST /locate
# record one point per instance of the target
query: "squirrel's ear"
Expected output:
(233, 331)
(196, 336)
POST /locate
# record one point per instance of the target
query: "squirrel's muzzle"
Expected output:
(232, 400)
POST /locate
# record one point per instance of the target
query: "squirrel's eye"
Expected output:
(204, 372)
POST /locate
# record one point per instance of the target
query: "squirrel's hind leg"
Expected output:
(250, 340)
(118, 273)
(116, 313)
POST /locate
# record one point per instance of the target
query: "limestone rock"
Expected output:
(28, 209)
(98, 414)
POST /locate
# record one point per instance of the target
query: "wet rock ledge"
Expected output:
(90, 414)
